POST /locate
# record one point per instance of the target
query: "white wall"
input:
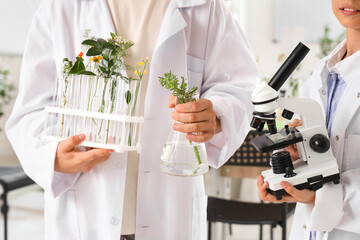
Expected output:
(257, 18)
(13, 64)
(15, 19)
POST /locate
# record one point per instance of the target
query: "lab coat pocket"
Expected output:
(199, 207)
(68, 218)
(352, 152)
(195, 68)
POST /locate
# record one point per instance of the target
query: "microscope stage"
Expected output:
(270, 142)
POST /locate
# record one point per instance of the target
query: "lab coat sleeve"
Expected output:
(336, 206)
(327, 211)
(230, 75)
(26, 123)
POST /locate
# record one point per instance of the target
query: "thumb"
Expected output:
(70, 143)
(171, 101)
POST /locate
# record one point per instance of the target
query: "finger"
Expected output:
(262, 186)
(260, 181)
(197, 106)
(95, 162)
(194, 127)
(287, 198)
(294, 154)
(203, 137)
(70, 143)
(205, 115)
(86, 157)
(262, 190)
(295, 123)
(291, 190)
(171, 101)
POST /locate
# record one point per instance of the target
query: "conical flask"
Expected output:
(182, 157)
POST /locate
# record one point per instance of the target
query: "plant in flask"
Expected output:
(180, 156)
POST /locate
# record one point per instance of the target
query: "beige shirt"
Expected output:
(140, 22)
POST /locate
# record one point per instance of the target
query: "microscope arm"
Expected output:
(310, 111)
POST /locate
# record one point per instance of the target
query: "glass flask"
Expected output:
(182, 157)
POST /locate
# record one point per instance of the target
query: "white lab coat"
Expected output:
(199, 36)
(336, 206)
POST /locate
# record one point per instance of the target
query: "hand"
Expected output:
(70, 160)
(295, 195)
(199, 116)
(292, 149)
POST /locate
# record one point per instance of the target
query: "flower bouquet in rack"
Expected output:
(94, 96)
(180, 156)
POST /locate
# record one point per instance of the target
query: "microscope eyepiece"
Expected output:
(288, 67)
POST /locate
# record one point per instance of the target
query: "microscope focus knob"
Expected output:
(319, 143)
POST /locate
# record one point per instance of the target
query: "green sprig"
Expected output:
(180, 91)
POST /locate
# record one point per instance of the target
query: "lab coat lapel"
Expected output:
(350, 99)
(347, 106)
(323, 88)
(173, 22)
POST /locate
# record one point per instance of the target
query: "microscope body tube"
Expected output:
(265, 96)
(288, 67)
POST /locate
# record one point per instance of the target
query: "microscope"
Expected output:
(317, 164)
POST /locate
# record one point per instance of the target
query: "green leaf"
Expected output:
(109, 46)
(105, 56)
(88, 73)
(102, 42)
(112, 35)
(91, 42)
(128, 97)
(77, 68)
(94, 51)
(104, 70)
(111, 63)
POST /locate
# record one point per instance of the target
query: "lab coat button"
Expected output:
(304, 226)
(323, 92)
(337, 137)
(119, 165)
(114, 221)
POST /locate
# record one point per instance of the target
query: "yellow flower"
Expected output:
(145, 72)
(136, 72)
(140, 63)
(96, 59)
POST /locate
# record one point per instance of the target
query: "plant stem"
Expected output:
(133, 108)
(92, 100)
(197, 154)
(63, 106)
(112, 96)
(102, 107)
(88, 105)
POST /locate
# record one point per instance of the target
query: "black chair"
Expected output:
(11, 178)
(237, 212)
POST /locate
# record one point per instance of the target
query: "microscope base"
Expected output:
(320, 180)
